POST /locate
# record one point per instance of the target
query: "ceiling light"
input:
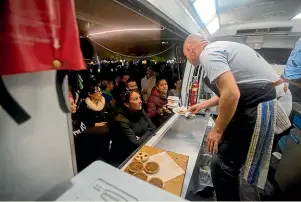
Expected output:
(297, 17)
(187, 12)
(206, 9)
(126, 30)
(213, 26)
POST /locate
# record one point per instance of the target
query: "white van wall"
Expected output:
(265, 41)
(231, 29)
(35, 156)
(261, 41)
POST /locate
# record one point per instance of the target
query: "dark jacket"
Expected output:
(90, 117)
(77, 125)
(118, 93)
(155, 103)
(91, 144)
(109, 97)
(129, 132)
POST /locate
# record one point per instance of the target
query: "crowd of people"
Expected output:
(112, 117)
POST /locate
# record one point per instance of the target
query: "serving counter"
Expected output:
(101, 182)
(179, 135)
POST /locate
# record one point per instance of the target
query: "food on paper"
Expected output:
(152, 167)
(135, 167)
(157, 182)
(180, 110)
(141, 176)
(141, 156)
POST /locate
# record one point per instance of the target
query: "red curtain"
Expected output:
(39, 35)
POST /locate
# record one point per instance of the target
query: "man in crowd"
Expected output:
(131, 85)
(147, 83)
(242, 79)
(125, 77)
(292, 72)
(107, 93)
(120, 89)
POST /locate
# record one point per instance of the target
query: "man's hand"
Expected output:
(195, 108)
(204, 105)
(213, 139)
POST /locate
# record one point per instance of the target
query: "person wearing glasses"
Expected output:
(95, 111)
(91, 132)
(96, 114)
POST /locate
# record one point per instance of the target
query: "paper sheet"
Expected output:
(169, 169)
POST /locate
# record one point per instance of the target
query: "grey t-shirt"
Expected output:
(246, 64)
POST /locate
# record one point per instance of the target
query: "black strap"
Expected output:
(60, 76)
(11, 106)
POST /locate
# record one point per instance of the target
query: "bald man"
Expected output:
(242, 79)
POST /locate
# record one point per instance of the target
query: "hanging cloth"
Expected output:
(37, 35)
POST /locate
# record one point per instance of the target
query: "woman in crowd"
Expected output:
(132, 127)
(156, 104)
(95, 111)
(90, 143)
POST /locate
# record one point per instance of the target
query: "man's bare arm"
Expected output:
(228, 100)
(212, 102)
(204, 105)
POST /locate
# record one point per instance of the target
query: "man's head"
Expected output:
(131, 85)
(110, 86)
(149, 72)
(104, 82)
(193, 46)
(125, 78)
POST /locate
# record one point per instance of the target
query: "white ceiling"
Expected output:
(96, 16)
(242, 11)
(102, 16)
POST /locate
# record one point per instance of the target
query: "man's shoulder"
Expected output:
(221, 45)
(218, 44)
(215, 47)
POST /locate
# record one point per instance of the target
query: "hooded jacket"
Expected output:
(155, 102)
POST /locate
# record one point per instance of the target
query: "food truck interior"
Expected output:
(136, 46)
